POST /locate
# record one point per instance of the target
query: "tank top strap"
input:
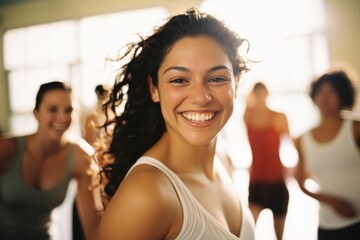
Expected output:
(71, 161)
(20, 148)
(21, 143)
(346, 126)
(190, 209)
(345, 132)
(174, 179)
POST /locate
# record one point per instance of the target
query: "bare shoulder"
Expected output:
(7, 144)
(357, 130)
(150, 180)
(279, 116)
(145, 206)
(149, 186)
(247, 114)
(8, 147)
(281, 122)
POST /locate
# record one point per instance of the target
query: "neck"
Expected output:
(46, 146)
(183, 157)
(260, 107)
(330, 120)
(330, 117)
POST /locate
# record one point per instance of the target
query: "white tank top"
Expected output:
(199, 224)
(335, 166)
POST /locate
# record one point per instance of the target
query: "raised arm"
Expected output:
(339, 204)
(89, 217)
(300, 171)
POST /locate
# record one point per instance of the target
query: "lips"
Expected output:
(197, 117)
(59, 127)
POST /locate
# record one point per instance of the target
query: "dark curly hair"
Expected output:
(341, 83)
(140, 124)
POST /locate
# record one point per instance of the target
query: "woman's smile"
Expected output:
(198, 117)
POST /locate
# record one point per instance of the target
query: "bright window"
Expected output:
(288, 38)
(71, 51)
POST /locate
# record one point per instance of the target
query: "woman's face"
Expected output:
(54, 113)
(260, 95)
(196, 89)
(327, 99)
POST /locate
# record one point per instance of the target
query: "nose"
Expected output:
(64, 116)
(200, 94)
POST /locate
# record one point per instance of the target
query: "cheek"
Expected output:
(227, 97)
(336, 101)
(44, 120)
(70, 117)
(168, 105)
(171, 97)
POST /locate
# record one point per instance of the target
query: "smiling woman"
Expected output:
(200, 92)
(160, 168)
(35, 171)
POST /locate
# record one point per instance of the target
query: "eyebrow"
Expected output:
(183, 69)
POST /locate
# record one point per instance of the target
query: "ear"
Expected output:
(153, 91)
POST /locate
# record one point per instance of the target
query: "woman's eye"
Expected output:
(218, 79)
(178, 81)
(53, 109)
(69, 110)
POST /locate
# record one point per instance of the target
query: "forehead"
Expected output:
(56, 97)
(260, 89)
(326, 85)
(197, 50)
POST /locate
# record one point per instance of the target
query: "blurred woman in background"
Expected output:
(96, 118)
(35, 171)
(329, 154)
(265, 128)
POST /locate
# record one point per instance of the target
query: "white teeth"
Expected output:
(59, 127)
(198, 117)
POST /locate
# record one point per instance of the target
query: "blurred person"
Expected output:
(93, 123)
(267, 186)
(96, 119)
(35, 171)
(163, 178)
(329, 154)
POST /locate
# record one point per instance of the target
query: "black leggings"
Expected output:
(274, 196)
(351, 232)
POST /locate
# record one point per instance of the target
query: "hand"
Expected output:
(342, 207)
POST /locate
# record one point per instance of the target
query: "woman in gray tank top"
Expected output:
(35, 171)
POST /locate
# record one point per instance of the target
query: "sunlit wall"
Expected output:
(288, 48)
(289, 38)
(70, 51)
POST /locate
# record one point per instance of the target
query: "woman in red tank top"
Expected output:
(267, 187)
